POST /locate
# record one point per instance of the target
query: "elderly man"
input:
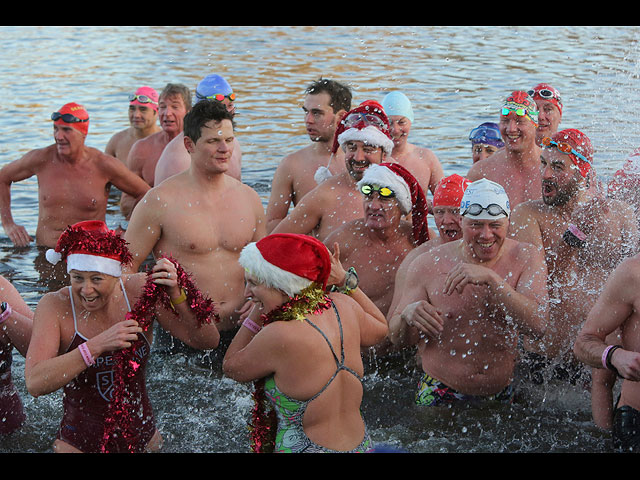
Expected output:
(583, 237)
(364, 136)
(325, 104)
(73, 180)
(375, 245)
(202, 216)
(466, 302)
(516, 166)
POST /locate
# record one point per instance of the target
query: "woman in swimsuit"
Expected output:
(16, 319)
(302, 346)
(88, 339)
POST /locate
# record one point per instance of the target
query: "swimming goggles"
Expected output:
(564, 148)
(141, 99)
(67, 118)
(384, 192)
(356, 118)
(219, 96)
(485, 133)
(521, 112)
(545, 93)
(493, 209)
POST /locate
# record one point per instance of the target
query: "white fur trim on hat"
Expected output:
(370, 135)
(94, 263)
(385, 177)
(253, 262)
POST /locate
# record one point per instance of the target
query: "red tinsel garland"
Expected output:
(263, 424)
(121, 412)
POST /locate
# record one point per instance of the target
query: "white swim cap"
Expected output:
(482, 194)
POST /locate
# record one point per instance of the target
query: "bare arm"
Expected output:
(305, 216)
(185, 325)
(131, 178)
(17, 327)
(144, 230)
(281, 195)
(14, 172)
(613, 307)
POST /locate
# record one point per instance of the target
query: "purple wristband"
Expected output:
(4, 315)
(251, 325)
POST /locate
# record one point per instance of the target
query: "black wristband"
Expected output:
(608, 363)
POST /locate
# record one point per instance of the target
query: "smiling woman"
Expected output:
(100, 332)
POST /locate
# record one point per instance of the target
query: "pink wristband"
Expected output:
(4, 315)
(86, 354)
(605, 354)
(577, 232)
(251, 325)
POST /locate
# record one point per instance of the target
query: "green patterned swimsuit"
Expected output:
(290, 437)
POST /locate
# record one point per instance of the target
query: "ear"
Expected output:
(189, 144)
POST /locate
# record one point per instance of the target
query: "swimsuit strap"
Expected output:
(339, 363)
(126, 299)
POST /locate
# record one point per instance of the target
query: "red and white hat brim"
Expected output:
(255, 264)
(370, 135)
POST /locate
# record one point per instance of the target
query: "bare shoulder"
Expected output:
(55, 301)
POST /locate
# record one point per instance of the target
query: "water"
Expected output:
(456, 78)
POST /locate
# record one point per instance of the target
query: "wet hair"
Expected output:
(340, 94)
(177, 89)
(203, 112)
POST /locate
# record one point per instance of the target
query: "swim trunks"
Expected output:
(290, 437)
(626, 429)
(432, 392)
(86, 402)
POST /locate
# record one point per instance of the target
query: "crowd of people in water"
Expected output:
(532, 265)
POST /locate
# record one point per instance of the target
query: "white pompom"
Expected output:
(322, 174)
(53, 256)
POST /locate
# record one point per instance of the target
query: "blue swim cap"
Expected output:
(211, 85)
(397, 103)
(487, 133)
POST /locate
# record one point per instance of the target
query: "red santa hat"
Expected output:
(90, 246)
(407, 190)
(287, 261)
(366, 123)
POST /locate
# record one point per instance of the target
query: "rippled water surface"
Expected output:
(456, 78)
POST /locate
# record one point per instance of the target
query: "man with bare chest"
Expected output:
(583, 235)
(325, 104)
(364, 136)
(377, 243)
(202, 217)
(466, 302)
(516, 166)
(73, 180)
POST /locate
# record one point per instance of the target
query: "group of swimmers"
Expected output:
(497, 287)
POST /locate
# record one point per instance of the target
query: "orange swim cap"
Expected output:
(73, 115)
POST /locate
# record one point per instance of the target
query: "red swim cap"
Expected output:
(449, 191)
(77, 112)
(581, 144)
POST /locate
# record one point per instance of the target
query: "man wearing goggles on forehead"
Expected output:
(516, 166)
(143, 121)
(366, 141)
(420, 161)
(173, 105)
(325, 104)
(549, 105)
(175, 158)
(483, 290)
(73, 180)
(583, 236)
(379, 240)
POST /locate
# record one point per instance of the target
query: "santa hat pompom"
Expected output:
(52, 256)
